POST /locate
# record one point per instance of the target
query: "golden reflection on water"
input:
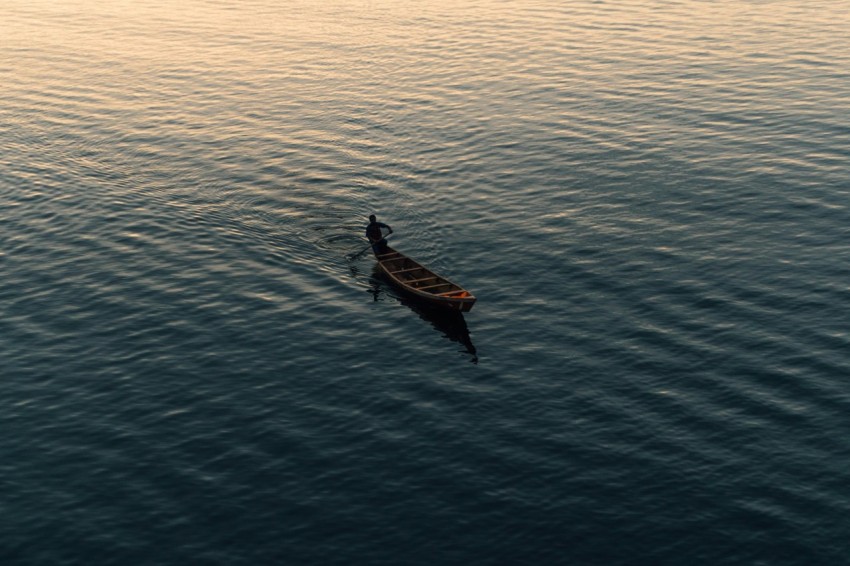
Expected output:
(332, 39)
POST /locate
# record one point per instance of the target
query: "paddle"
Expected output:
(354, 256)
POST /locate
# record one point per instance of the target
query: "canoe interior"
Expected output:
(417, 279)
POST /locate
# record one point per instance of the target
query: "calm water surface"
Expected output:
(650, 199)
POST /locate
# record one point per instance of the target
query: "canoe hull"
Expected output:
(420, 282)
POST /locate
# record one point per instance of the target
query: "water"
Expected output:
(650, 200)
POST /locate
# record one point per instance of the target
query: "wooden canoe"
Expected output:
(413, 277)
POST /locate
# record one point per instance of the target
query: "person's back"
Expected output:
(376, 236)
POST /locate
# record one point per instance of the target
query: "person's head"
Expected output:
(372, 218)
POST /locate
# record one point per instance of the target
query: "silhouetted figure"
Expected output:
(376, 235)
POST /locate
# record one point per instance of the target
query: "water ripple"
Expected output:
(648, 198)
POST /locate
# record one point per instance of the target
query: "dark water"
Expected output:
(650, 200)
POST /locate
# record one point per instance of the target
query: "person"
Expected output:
(376, 236)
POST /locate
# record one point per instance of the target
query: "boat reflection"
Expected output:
(450, 324)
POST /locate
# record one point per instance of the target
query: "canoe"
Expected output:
(421, 282)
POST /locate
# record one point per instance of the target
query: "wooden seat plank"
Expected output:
(434, 286)
(405, 270)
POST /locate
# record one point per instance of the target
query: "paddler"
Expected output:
(376, 235)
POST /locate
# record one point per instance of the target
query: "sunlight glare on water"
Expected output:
(649, 200)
